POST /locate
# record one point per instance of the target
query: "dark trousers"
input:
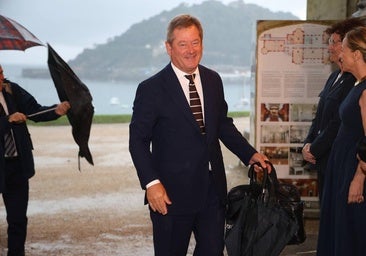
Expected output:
(172, 232)
(15, 198)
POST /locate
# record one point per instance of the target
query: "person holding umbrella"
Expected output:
(16, 158)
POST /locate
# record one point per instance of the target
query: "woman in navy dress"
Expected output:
(343, 210)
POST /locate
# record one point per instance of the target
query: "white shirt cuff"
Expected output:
(152, 183)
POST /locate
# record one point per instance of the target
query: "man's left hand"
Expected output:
(261, 159)
(62, 108)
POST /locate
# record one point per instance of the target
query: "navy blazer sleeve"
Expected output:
(144, 118)
(24, 102)
(217, 109)
(325, 126)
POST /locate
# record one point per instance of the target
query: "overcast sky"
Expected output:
(69, 26)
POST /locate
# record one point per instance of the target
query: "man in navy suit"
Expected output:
(17, 167)
(178, 159)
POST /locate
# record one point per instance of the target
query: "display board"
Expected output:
(292, 66)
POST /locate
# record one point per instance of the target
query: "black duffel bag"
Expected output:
(263, 217)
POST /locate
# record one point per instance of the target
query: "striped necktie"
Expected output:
(9, 144)
(195, 102)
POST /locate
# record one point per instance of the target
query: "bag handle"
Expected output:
(252, 174)
(273, 174)
(269, 183)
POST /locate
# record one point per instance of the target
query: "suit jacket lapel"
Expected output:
(207, 94)
(173, 87)
(9, 102)
(335, 84)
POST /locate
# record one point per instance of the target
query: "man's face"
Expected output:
(185, 50)
(334, 47)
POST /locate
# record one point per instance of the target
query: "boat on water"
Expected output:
(114, 101)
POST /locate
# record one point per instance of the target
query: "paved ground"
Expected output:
(308, 248)
(99, 211)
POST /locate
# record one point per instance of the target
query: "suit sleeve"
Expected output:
(312, 133)
(141, 126)
(323, 142)
(235, 141)
(229, 134)
(27, 104)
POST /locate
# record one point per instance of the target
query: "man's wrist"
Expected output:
(154, 182)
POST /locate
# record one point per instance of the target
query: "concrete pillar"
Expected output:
(331, 9)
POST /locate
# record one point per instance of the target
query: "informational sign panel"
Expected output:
(292, 68)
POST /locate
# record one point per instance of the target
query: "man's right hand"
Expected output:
(17, 118)
(158, 198)
(307, 155)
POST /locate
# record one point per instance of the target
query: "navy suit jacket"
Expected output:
(19, 100)
(325, 125)
(166, 143)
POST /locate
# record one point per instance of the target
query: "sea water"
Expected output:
(113, 98)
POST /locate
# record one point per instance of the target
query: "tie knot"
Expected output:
(190, 78)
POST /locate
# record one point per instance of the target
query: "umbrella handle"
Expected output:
(41, 112)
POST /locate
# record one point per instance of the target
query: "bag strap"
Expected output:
(273, 175)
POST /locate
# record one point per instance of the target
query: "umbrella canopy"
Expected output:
(14, 36)
(70, 88)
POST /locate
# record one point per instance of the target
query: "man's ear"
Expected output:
(168, 48)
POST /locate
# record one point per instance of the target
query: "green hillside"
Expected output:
(229, 32)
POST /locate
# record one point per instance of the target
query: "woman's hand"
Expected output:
(355, 193)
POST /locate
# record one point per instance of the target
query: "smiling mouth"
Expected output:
(191, 56)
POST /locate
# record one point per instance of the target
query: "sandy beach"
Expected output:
(98, 210)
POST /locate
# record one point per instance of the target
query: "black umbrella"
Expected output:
(70, 88)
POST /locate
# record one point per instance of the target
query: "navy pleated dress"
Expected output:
(342, 228)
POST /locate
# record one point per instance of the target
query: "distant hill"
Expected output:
(229, 32)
